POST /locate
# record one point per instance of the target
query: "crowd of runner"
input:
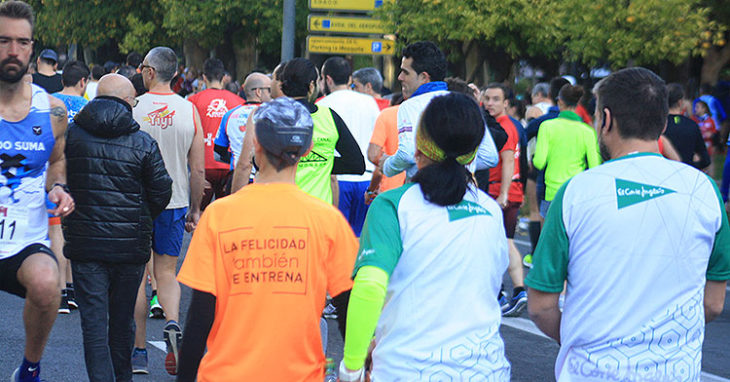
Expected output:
(104, 169)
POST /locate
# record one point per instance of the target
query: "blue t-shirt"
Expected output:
(74, 104)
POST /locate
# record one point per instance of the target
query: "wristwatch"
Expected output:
(63, 186)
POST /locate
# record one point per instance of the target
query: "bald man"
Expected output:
(118, 179)
(229, 139)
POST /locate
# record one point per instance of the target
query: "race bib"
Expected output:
(13, 225)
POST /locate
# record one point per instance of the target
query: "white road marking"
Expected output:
(158, 344)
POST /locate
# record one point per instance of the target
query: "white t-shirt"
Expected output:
(441, 316)
(636, 238)
(359, 111)
(169, 119)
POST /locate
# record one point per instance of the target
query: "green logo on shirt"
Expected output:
(629, 193)
(465, 209)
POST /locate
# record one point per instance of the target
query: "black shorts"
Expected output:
(509, 214)
(9, 268)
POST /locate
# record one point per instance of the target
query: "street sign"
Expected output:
(337, 24)
(345, 5)
(350, 45)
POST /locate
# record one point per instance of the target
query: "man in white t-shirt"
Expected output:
(643, 244)
(175, 124)
(359, 111)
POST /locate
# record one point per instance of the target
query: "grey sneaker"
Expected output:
(139, 361)
(173, 337)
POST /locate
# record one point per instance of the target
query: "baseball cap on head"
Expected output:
(284, 129)
(49, 54)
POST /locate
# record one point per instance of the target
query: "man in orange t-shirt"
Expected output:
(212, 104)
(261, 263)
(384, 141)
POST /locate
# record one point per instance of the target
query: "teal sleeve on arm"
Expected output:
(550, 260)
(718, 268)
(366, 302)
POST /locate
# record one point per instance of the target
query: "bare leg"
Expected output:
(39, 275)
(168, 289)
(516, 273)
(56, 235)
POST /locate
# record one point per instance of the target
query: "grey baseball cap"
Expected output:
(284, 129)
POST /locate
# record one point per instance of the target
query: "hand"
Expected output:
(381, 163)
(347, 375)
(370, 195)
(64, 202)
(191, 221)
(502, 200)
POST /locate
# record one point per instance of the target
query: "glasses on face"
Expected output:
(143, 66)
(267, 89)
(24, 43)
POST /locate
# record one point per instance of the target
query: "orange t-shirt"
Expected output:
(212, 105)
(269, 253)
(385, 135)
(515, 192)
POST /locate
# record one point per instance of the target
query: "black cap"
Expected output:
(284, 129)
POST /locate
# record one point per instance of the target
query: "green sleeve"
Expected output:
(550, 260)
(380, 241)
(539, 160)
(718, 269)
(363, 311)
(592, 154)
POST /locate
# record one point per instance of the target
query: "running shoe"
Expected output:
(503, 302)
(139, 361)
(516, 305)
(527, 261)
(16, 377)
(156, 309)
(71, 298)
(330, 312)
(63, 307)
(173, 338)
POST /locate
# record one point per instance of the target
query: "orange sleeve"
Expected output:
(341, 257)
(198, 271)
(379, 131)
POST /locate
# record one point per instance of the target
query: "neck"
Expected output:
(214, 85)
(268, 174)
(628, 146)
(161, 87)
(568, 108)
(339, 87)
(71, 92)
(10, 92)
(46, 70)
(675, 110)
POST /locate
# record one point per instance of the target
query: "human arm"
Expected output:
(196, 161)
(350, 160)
(714, 299)
(487, 154)
(545, 312)
(221, 142)
(242, 171)
(374, 153)
(374, 186)
(157, 182)
(593, 154)
(335, 185)
(56, 173)
(201, 315)
(700, 149)
(508, 169)
(669, 151)
(539, 160)
(403, 159)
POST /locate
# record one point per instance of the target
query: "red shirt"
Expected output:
(583, 113)
(382, 103)
(212, 105)
(515, 192)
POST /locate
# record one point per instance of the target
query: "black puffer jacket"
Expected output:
(119, 184)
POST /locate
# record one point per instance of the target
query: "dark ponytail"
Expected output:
(454, 123)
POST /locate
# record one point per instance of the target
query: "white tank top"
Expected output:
(168, 118)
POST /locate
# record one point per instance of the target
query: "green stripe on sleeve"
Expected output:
(718, 269)
(550, 260)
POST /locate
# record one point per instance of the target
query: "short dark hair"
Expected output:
(455, 124)
(138, 83)
(498, 85)
(164, 60)
(127, 71)
(17, 10)
(97, 72)
(296, 76)
(338, 69)
(73, 72)
(213, 69)
(570, 94)
(456, 84)
(134, 59)
(47, 61)
(369, 76)
(279, 69)
(637, 99)
(427, 57)
(675, 93)
(556, 84)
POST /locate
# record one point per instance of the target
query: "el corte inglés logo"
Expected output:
(629, 193)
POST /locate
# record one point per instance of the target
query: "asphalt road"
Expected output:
(532, 355)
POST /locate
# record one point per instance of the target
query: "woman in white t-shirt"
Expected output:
(432, 255)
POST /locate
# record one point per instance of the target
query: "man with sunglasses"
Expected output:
(175, 124)
(229, 139)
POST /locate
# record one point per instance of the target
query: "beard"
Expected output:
(605, 155)
(10, 76)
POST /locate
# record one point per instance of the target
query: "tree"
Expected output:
(716, 53)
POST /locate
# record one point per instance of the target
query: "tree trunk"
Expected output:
(194, 55)
(247, 56)
(712, 64)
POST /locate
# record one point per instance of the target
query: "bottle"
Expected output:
(330, 372)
